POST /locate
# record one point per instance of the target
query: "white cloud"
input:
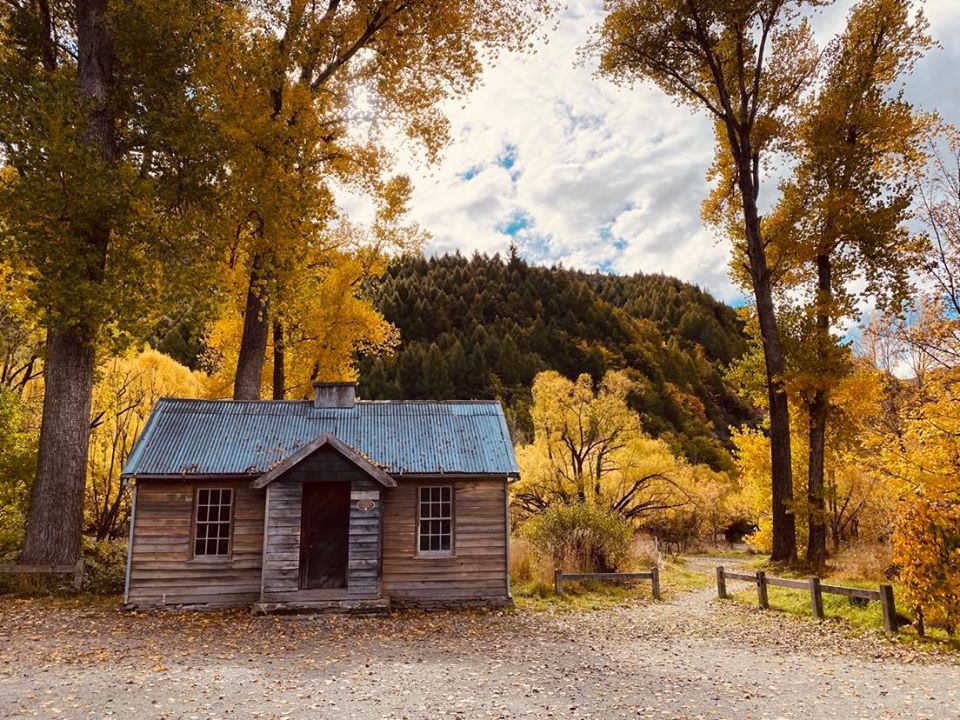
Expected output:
(601, 176)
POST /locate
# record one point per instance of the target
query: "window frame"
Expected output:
(196, 520)
(426, 554)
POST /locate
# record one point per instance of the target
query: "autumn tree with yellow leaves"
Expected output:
(127, 388)
(589, 450)
(839, 231)
(746, 65)
(922, 449)
(296, 80)
(859, 498)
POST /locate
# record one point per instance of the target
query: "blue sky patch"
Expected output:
(471, 172)
(507, 159)
(515, 224)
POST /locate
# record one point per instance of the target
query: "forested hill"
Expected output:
(484, 327)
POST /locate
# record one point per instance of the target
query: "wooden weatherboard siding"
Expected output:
(476, 570)
(163, 570)
(281, 557)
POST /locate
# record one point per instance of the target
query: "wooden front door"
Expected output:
(324, 534)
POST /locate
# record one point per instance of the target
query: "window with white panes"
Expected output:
(435, 519)
(214, 518)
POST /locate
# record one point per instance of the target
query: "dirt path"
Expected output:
(689, 657)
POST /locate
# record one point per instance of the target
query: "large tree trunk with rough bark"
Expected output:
(55, 520)
(256, 332)
(784, 522)
(817, 412)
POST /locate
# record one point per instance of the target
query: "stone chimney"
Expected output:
(334, 395)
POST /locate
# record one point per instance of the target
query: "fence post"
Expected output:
(558, 581)
(762, 590)
(890, 623)
(78, 575)
(816, 598)
(721, 583)
(655, 581)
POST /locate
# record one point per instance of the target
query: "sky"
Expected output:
(578, 171)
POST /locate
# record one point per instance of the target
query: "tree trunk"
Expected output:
(784, 523)
(55, 520)
(817, 413)
(817, 529)
(279, 374)
(256, 330)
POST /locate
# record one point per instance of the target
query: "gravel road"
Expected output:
(689, 657)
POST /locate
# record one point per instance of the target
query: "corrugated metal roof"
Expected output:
(212, 437)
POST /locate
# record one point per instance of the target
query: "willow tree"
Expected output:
(589, 448)
(103, 165)
(841, 223)
(302, 82)
(746, 64)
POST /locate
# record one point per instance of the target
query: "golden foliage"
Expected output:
(127, 388)
(589, 448)
(927, 549)
(296, 91)
(860, 494)
(321, 306)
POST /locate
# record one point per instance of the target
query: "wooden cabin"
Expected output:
(331, 504)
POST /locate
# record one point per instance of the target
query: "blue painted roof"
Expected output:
(223, 437)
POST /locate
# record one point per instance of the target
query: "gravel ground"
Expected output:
(690, 657)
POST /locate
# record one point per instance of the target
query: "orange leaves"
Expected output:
(927, 549)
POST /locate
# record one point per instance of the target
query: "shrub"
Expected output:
(581, 537)
(927, 549)
(18, 451)
(105, 566)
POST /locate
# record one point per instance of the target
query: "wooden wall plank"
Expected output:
(477, 569)
(162, 567)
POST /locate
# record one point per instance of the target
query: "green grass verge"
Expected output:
(675, 579)
(857, 615)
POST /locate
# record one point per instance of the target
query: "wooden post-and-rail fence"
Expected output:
(76, 570)
(653, 575)
(816, 588)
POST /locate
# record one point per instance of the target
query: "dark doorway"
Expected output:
(324, 534)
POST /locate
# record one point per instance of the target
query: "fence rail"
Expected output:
(653, 575)
(884, 595)
(76, 570)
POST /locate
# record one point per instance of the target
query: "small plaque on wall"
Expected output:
(366, 505)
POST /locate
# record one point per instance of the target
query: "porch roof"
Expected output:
(223, 437)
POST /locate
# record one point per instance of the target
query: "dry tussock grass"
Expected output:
(862, 562)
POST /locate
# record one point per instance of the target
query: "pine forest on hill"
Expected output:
(484, 327)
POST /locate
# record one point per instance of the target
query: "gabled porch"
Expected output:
(322, 538)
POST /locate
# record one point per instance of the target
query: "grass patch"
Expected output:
(747, 556)
(797, 602)
(858, 615)
(583, 596)
(675, 579)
